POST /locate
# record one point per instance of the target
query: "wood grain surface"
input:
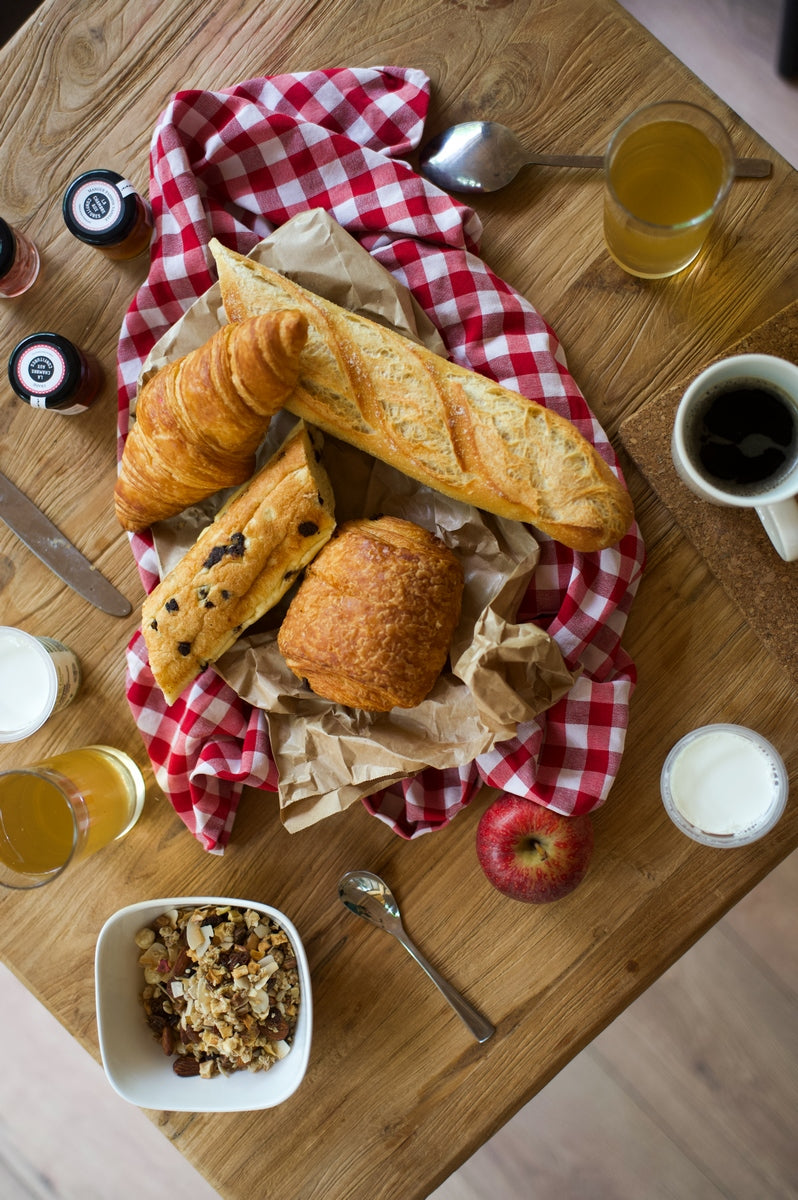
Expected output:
(397, 1094)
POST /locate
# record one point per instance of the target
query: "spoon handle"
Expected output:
(744, 168)
(479, 1026)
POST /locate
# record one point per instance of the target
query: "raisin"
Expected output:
(154, 625)
(214, 919)
(202, 592)
(236, 958)
(308, 528)
(225, 594)
(184, 648)
(289, 574)
(210, 604)
(172, 605)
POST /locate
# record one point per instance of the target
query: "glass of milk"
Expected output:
(724, 785)
(38, 676)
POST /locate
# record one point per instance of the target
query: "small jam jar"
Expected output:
(48, 371)
(19, 261)
(102, 209)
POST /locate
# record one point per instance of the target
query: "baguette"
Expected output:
(445, 426)
(241, 565)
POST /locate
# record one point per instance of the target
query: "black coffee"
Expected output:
(747, 437)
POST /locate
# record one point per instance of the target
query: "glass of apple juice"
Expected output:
(63, 809)
(667, 170)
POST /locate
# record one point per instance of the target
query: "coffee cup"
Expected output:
(735, 441)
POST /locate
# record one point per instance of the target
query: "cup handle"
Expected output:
(780, 522)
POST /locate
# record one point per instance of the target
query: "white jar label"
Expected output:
(97, 205)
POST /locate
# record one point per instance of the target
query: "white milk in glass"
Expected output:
(38, 676)
(724, 785)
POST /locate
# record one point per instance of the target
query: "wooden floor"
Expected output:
(691, 1095)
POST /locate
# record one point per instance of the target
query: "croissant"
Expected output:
(450, 428)
(200, 419)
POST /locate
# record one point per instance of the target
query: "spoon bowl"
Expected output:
(369, 897)
(484, 156)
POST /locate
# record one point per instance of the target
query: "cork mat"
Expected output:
(731, 540)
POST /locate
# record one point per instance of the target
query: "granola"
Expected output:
(221, 989)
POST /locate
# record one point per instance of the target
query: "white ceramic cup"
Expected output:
(775, 497)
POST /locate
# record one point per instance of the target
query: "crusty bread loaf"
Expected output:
(200, 419)
(371, 623)
(440, 423)
(241, 565)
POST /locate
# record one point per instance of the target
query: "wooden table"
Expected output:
(397, 1094)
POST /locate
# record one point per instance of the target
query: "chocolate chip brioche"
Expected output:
(372, 621)
(446, 426)
(241, 565)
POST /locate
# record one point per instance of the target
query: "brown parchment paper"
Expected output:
(501, 673)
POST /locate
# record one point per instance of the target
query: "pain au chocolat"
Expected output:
(371, 623)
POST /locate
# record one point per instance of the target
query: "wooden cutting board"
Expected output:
(731, 540)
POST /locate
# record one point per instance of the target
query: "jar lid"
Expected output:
(45, 369)
(100, 207)
(8, 247)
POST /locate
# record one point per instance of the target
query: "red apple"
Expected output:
(530, 852)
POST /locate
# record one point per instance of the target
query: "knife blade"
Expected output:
(48, 543)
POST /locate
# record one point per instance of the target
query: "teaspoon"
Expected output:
(483, 156)
(368, 896)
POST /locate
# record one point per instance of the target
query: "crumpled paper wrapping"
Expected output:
(500, 673)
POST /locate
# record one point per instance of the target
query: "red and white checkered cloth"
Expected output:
(237, 163)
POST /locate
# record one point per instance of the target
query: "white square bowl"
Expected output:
(134, 1062)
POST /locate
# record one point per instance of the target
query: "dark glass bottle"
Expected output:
(48, 371)
(102, 209)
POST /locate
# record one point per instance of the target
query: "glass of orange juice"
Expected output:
(667, 170)
(63, 809)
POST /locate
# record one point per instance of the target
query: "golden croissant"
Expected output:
(200, 419)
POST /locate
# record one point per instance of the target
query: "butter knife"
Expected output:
(48, 543)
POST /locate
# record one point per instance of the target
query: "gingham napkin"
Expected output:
(236, 164)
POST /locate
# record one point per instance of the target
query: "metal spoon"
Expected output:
(368, 896)
(483, 156)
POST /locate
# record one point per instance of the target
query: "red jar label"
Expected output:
(41, 369)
